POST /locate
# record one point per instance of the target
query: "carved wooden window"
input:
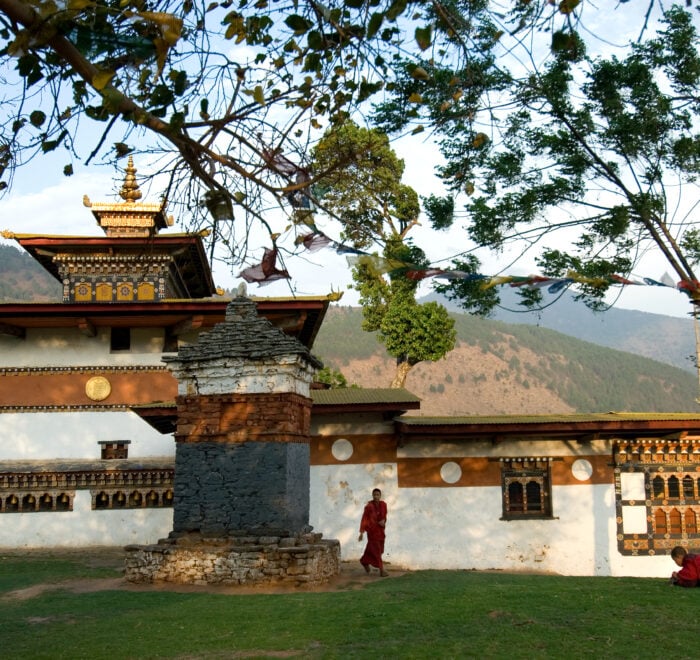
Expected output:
(526, 488)
(675, 504)
(657, 494)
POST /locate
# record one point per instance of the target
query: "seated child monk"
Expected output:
(689, 574)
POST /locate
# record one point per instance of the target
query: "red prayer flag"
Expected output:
(266, 271)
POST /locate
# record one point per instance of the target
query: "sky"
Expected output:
(43, 201)
(55, 206)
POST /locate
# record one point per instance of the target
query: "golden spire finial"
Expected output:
(130, 190)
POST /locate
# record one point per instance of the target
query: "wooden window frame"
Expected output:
(530, 474)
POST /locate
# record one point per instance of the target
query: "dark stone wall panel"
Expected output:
(252, 487)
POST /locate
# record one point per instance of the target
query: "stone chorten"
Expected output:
(241, 492)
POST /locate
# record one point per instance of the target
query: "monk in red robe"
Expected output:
(373, 522)
(689, 575)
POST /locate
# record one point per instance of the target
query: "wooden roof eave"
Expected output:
(300, 318)
(575, 429)
(190, 246)
(391, 409)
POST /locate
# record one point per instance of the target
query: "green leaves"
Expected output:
(440, 211)
(359, 183)
(395, 10)
(298, 24)
(416, 332)
(424, 37)
(37, 118)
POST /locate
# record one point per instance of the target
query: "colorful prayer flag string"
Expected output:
(266, 271)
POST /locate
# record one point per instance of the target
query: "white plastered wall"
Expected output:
(458, 527)
(85, 527)
(73, 435)
(67, 347)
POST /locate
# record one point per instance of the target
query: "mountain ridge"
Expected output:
(497, 367)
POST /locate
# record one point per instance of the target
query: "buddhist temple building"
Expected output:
(98, 388)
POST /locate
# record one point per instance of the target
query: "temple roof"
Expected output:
(355, 399)
(162, 415)
(131, 237)
(187, 251)
(299, 317)
(129, 216)
(579, 425)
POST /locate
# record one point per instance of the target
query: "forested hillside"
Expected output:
(496, 368)
(664, 338)
(500, 368)
(23, 280)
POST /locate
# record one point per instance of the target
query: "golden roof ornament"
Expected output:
(130, 189)
(130, 217)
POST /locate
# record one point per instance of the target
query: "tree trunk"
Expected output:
(402, 369)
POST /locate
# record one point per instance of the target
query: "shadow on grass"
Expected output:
(422, 614)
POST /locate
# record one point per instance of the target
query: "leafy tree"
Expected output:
(599, 148)
(361, 187)
(225, 98)
(333, 378)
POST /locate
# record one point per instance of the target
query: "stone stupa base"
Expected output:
(237, 559)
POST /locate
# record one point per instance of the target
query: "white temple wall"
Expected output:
(67, 347)
(460, 528)
(84, 527)
(73, 435)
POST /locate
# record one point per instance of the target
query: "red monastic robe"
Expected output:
(374, 513)
(689, 575)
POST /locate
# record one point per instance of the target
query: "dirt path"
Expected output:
(350, 577)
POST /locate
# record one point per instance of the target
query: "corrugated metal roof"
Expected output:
(354, 395)
(565, 418)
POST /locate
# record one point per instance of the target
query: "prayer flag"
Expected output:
(266, 271)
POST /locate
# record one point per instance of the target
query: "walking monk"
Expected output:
(373, 522)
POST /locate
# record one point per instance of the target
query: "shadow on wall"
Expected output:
(84, 526)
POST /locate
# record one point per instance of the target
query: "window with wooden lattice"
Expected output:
(526, 488)
(675, 504)
(657, 494)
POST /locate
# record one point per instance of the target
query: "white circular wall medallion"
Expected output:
(98, 388)
(450, 472)
(582, 469)
(342, 449)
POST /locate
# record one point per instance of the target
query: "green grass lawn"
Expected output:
(424, 614)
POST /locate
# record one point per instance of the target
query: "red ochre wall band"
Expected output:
(28, 389)
(366, 449)
(424, 472)
(258, 417)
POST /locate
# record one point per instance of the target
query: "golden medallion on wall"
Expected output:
(98, 388)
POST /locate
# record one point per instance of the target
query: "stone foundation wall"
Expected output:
(304, 560)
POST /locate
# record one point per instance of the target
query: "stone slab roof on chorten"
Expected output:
(243, 334)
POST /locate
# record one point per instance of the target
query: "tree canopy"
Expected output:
(588, 161)
(227, 99)
(360, 184)
(224, 98)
